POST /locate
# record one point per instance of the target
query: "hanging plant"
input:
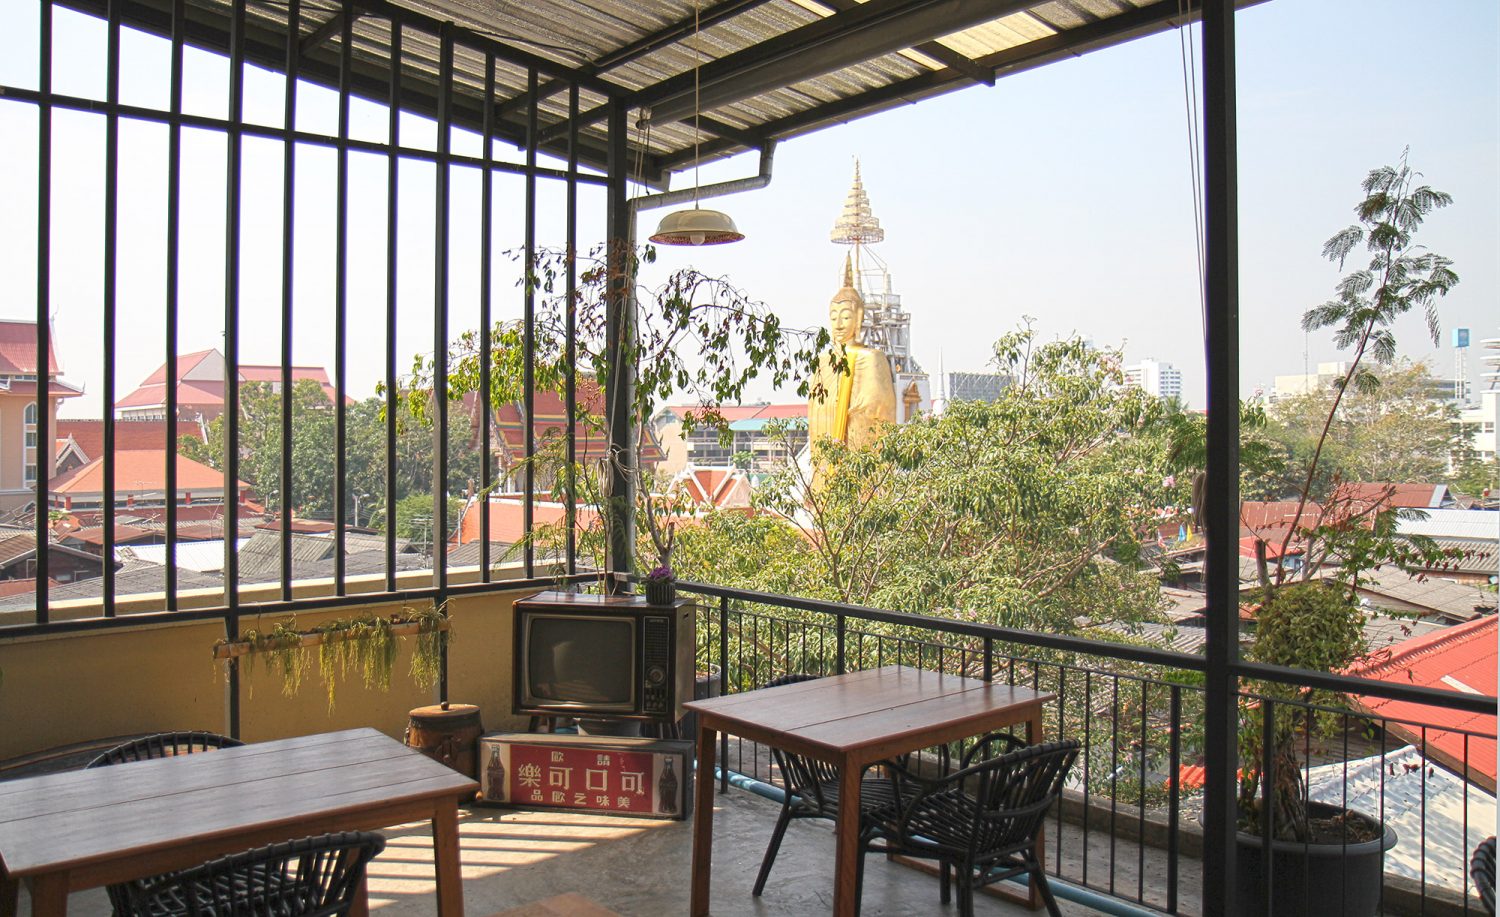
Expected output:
(365, 644)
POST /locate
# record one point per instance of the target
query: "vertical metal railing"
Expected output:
(288, 286)
(43, 291)
(486, 320)
(230, 515)
(173, 261)
(341, 305)
(528, 327)
(109, 301)
(392, 253)
(570, 340)
(440, 340)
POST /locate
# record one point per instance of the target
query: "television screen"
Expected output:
(583, 661)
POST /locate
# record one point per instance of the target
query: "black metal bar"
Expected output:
(619, 322)
(440, 342)
(232, 354)
(486, 322)
(570, 344)
(528, 330)
(723, 681)
(392, 246)
(320, 36)
(43, 294)
(989, 660)
(1267, 807)
(1222, 503)
(842, 625)
(1174, 766)
(1146, 655)
(110, 304)
(288, 287)
(1350, 684)
(341, 309)
(279, 134)
(174, 234)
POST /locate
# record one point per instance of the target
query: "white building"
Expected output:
(1163, 380)
(1302, 383)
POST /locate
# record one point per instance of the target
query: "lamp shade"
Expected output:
(696, 227)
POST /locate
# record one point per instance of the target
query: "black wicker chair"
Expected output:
(163, 745)
(812, 791)
(1482, 870)
(310, 877)
(981, 820)
(146, 748)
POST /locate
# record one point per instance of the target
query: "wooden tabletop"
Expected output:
(862, 714)
(78, 819)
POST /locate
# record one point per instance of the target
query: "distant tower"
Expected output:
(1461, 365)
(887, 326)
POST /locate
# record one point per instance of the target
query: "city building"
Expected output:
(1156, 378)
(200, 387)
(1301, 383)
(760, 437)
(23, 429)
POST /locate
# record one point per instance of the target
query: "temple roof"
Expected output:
(858, 223)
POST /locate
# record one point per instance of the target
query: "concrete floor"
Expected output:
(637, 867)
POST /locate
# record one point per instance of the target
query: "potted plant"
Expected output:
(1324, 859)
(661, 585)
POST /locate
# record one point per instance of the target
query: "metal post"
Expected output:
(619, 320)
(528, 331)
(111, 256)
(43, 285)
(486, 321)
(174, 234)
(1222, 491)
(440, 343)
(341, 306)
(232, 355)
(570, 339)
(288, 250)
(392, 246)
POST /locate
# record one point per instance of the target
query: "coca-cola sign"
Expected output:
(643, 777)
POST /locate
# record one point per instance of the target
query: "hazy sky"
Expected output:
(1061, 193)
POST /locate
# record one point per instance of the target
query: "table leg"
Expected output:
(10, 891)
(703, 819)
(846, 858)
(49, 895)
(450, 883)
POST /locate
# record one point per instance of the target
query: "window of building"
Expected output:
(31, 425)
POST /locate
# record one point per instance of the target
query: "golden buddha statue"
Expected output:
(854, 404)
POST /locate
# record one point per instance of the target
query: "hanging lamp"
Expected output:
(696, 226)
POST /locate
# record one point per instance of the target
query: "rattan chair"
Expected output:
(146, 748)
(310, 877)
(163, 745)
(981, 820)
(812, 791)
(1482, 870)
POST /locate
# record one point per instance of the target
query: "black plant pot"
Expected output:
(661, 592)
(1316, 880)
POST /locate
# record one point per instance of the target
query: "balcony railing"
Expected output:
(1129, 827)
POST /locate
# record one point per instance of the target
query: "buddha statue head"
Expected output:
(846, 312)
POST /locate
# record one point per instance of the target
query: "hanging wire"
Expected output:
(1194, 142)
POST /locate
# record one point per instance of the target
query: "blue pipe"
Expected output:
(1064, 890)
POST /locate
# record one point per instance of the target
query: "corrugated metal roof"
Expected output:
(878, 54)
(1456, 601)
(1428, 807)
(1482, 524)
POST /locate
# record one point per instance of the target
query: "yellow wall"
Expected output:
(67, 688)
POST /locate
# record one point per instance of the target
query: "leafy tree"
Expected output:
(1396, 429)
(1474, 476)
(1026, 512)
(414, 516)
(1401, 275)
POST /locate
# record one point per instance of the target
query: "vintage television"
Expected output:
(603, 657)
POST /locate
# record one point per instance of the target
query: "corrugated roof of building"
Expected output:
(1461, 658)
(1455, 601)
(1480, 524)
(1428, 807)
(767, 69)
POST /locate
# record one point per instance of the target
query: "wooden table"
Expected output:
(851, 721)
(81, 829)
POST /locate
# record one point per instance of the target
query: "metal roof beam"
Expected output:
(935, 50)
(846, 38)
(324, 32)
(1070, 43)
(639, 48)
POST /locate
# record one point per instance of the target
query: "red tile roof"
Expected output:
(130, 435)
(1461, 658)
(1414, 496)
(140, 471)
(550, 424)
(210, 392)
(507, 518)
(18, 348)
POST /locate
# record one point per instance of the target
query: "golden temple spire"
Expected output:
(848, 270)
(857, 225)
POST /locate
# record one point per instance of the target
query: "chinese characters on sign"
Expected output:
(544, 771)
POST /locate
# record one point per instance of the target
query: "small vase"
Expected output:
(661, 592)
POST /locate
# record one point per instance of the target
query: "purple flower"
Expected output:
(661, 574)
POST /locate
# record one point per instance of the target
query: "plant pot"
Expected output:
(1317, 880)
(661, 592)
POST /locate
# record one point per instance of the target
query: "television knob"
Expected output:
(656, 675)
